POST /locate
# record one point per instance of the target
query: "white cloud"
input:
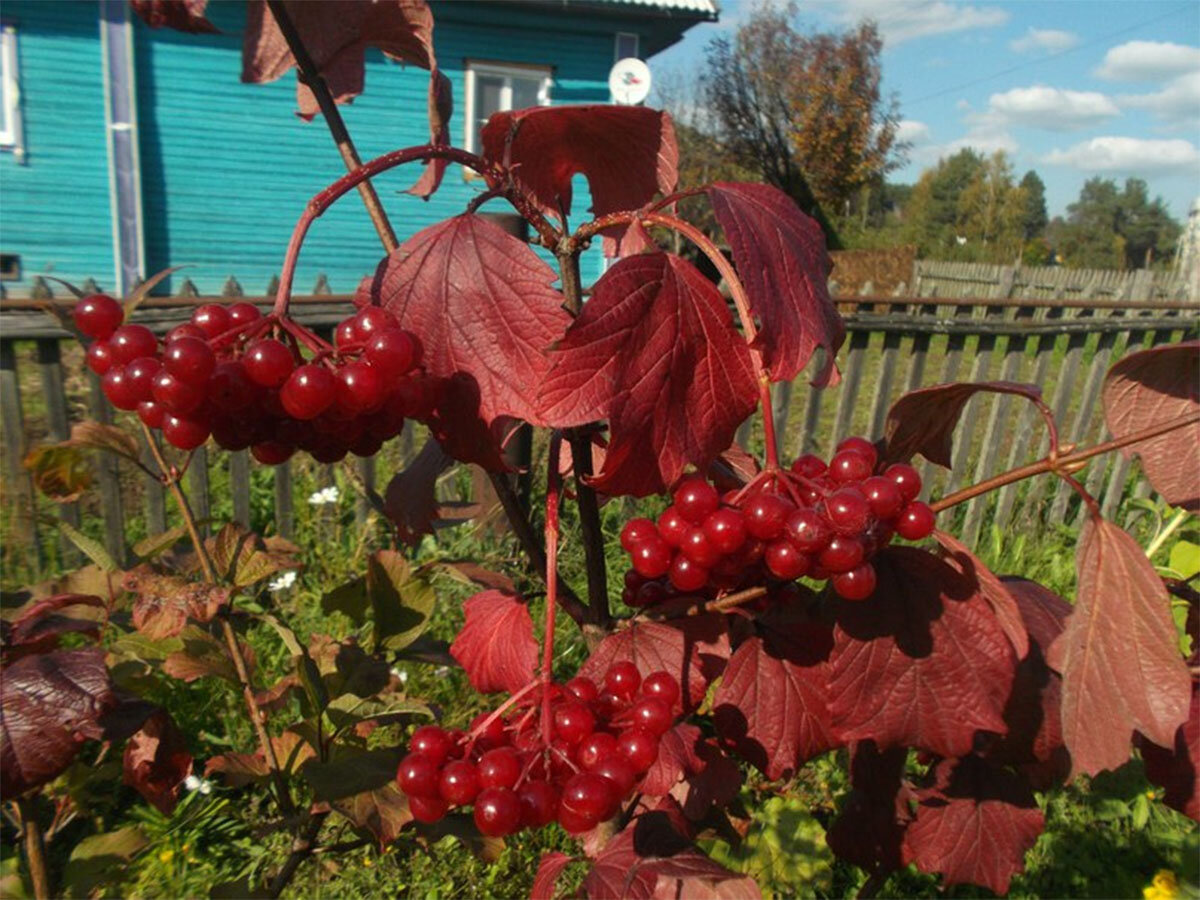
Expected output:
(1177, 104)
(1148, 61)
(1128, 155)
(1044, 40)
(912, 131)
(1051, 108)
(986, 140)
(906, 20)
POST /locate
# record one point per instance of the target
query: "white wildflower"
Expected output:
(283, 582)
(196, 783)
(325, 495)
(400, 675)
(441, 671)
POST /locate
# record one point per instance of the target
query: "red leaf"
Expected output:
(994, 591)
(50, 704)
(627, 153)
(483, 304)
(974, 825)
(716, 783)
(441, 108)
(781, 259)
(870, 829)
(496, 645)
(655, 352)
(693, 650)
(548, 872)
(39, 625)
(1119, 654)
(676, 758)
(923, 662)
(1043, 611)
(1149, 388)
(165, 602)
(182, 15)
(157, 762)
(410, 498)
(336, 37)
(924, 421)
(1175, 770)
(772, 704)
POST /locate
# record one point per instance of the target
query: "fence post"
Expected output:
(49, 357)
(14, 439)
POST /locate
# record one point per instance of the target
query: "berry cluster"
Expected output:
(823, 521)
(519, 771)
(241, 377)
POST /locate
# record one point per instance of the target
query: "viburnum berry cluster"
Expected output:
(571, 753)
(243, 378)
(821, 520)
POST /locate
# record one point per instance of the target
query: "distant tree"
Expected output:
(991, 211)
(1034, 218)
(1111, 228)
(932, 214)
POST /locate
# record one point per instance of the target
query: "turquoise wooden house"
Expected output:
(126, 149)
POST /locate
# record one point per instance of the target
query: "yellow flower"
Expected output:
(1163, 887)
(166, 856)
(367, 862)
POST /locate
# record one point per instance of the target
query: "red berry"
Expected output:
(431, 742)
(582, 688)
(687, 576)
(373, 320)
(807, 530)
(623, 679)
(847, 510)
(140, 375)
(653, 715)
(268, 362)
(190, 360)
(418, 776)
(616, 769)
(459, 782)
(726, 530)
(360, 388)
(809, 466)
(118, 390)
(187, 329)
(99, 357)
(907, 479)
(651, 558)
(391, 352)
(573, 823)
(861, 446)
(184, 433)
(499, 768)
(345, 334)
(661, 686)
(650, 593)
(696, 499)
(850, 465)
(97, 315)
(595, 747)
(497, 812)
(638, 746)
(212, 319)
(132, 341)
(883, 496)
(229, 389)
(151, 413)
(841, 554)
(573, 722)
(539, 803)
(493, 735)
(427, 809)
(272, 453)
(915, 522)
(857, 584)
(673, 527)
(765, 515)
(637, 531)
(698, 549)
(176, 396)
(588, 796)
(308, 392)
(785, 561)
(243, 313)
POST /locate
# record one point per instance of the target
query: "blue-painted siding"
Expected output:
(228, 167)
(54, 207)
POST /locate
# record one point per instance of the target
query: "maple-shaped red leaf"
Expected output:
(165, 602)
(38, 626)
(781, 260)
(1149, 388)
(410, 499)
(716, 783)
(1119, 654)
(627, 153)
(457, 423)
(973, 825)
(772, 705)
(676, 758)
(1177, 770)
(549, 869)
(869, 831)
(923, 662)
(483, 304)
(496, 645)
(182, 15)
(993, 588)
(336, 36)
(655, 352)
(157, 761)
(1043, 611)
(693, 650)
(923, 421)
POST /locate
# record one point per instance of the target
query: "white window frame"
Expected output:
(11, 133)
(506, 71)
(637, 45)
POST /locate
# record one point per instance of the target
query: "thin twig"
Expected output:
(302, 848)
(1161, 538)
(35, 849)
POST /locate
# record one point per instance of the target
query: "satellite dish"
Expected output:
(629, 81)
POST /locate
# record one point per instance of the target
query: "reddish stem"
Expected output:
(553, 490)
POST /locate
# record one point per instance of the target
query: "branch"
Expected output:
(302, 848)
(35, 849)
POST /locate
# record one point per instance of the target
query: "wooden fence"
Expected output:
(932, 278)
(894, 344)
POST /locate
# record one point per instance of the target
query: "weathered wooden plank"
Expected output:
(806, 437)
(154, 494)
(108, 475)
(285, 516)
(366, 471)
(15, 448)
(883, 385)
(781, 401)
(965, 443)
(239, 485)
(848, 390)
(49, 357)
(932, 476)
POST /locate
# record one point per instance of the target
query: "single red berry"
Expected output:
(185, 329)
(268, 362)
(699, 549)
(212, 319)
(595, 747)
(638, 746)
(726, 530)
(616, 769)
(500, 767)
(99, 357)
(272, 453)
(132, 341)
(459, 782)
(185, 433)
(652, 714)
(907, 479)
(623, 679)
(151, 413)
(883, 496)
(176, 396)
(418, 776)
(373, 320)
(807, 530)
(229, 389)
(497, 812)
(650, 593)
(785, 561)
(847, 510)
(809, 466)
(582, 688)
(589, 797)
(391, 352)
(673, 527)
(841, 554)
(608, 704)
(427, 809)
(573, 823)
(430, 741)
(539, 803)
(97, 315)
(662, 686)
(345, 334)
(118, 390)
(686, 575)
(243, 313)
(360, 388)
(696, 499)
(916, 521)
(637, 531)
(308, 392)
(573, 722)
(651, 558)
(857, 584)
(850, 465)
(765, 515)
(861, 446)
(493, 735)
(140, 375)
(190, 360)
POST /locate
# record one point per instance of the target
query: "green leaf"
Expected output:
(96, 436)
(138, 646)
(348, 710)
(306, 669)
(156, 544)
(100, 858)
(351, 772)
(201, 655)
(59, 471)
(1185, 559)
(350, 599)
(92, 549)
(401, 600)
(383, 811)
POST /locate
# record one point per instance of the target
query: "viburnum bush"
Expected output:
(777, 611)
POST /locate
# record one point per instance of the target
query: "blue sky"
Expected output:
(1071, 88)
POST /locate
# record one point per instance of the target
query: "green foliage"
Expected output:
(1111, 228)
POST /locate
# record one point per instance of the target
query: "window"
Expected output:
(10, 94)
(626, 45)
(495, 88)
